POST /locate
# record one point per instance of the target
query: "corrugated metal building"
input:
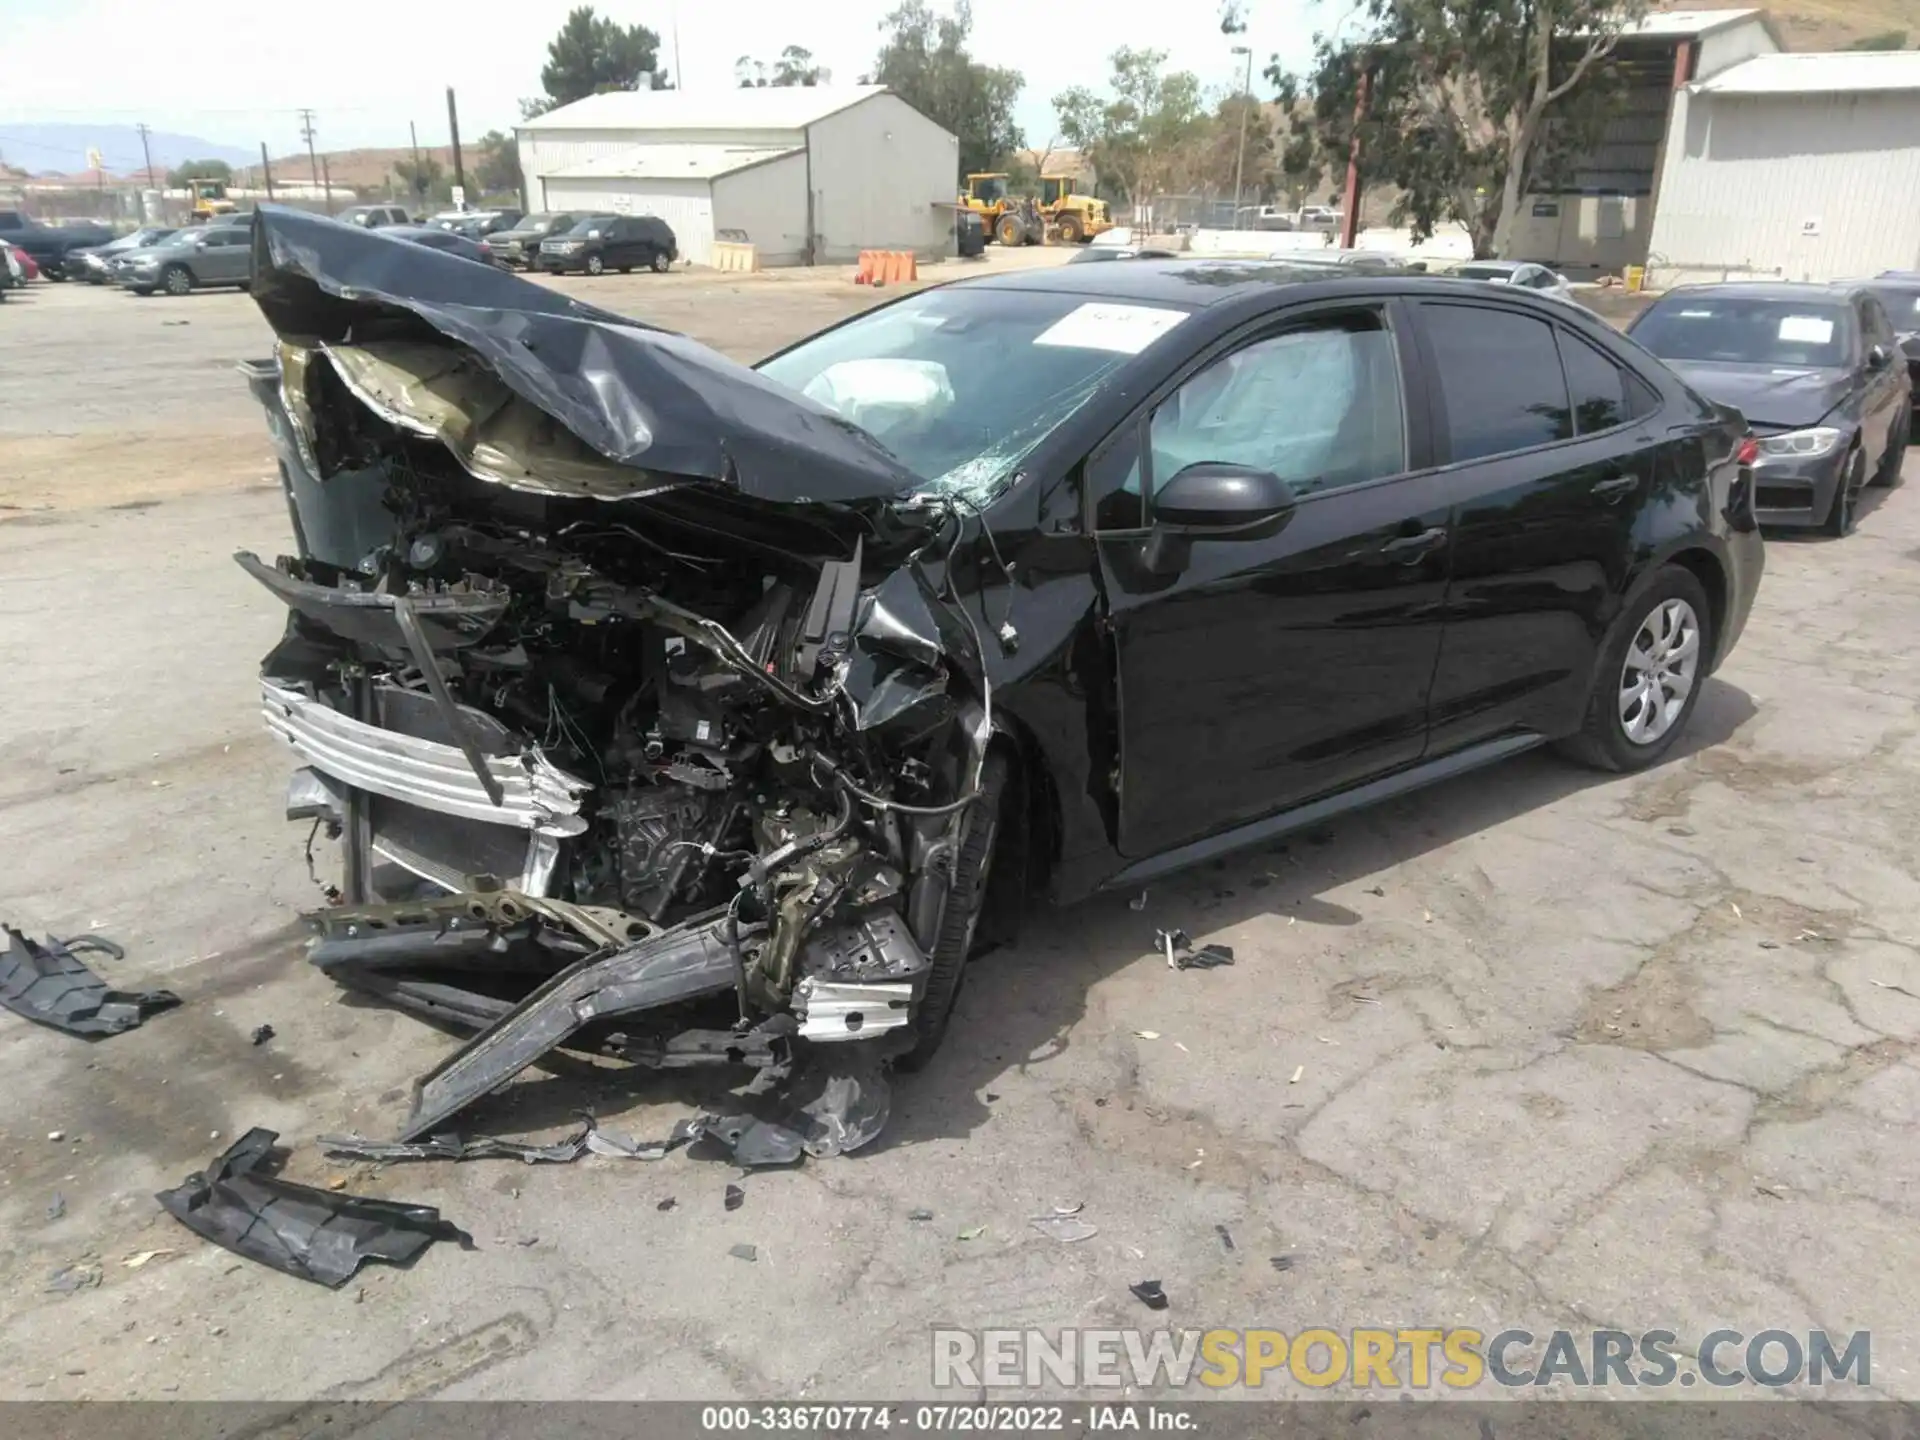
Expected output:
(1796, 166)
(806, 174)
(1602, 220)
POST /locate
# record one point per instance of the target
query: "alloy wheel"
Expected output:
(1662, 664)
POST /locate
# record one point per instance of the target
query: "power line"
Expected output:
(306, 133)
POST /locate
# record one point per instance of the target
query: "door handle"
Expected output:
(1613, 488)
(1409, 548)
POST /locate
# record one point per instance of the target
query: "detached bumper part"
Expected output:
(48, 985)
(318, 1235)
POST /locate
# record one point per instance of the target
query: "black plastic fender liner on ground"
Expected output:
(318, 1235)
(48, 985)
(643, 397)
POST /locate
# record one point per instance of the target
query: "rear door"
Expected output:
(1548, 457)
(1886, 392)
(226, 259)
(1270, 671)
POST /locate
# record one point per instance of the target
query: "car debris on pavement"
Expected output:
(1150, 1294)
(240, 1204)
(49, 985)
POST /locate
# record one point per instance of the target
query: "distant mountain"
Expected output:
(61, 148)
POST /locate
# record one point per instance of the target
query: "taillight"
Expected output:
(1748, 452)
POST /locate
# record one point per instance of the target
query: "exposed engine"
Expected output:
(661, 775)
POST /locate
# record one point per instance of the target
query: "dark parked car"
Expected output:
(519, 243)
(449, 241)
(807, 679)
(200, 256)
(1814, 368)
(91, 265)
(611, 242)
(49, 245)
(1899, 294)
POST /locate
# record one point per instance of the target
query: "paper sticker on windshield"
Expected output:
(1123, 329)
(1806, 330)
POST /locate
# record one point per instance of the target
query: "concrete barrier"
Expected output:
(734, 256)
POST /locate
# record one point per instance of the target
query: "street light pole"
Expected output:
(1240, 155)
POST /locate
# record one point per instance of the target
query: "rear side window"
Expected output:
(1500, 377)
(1598, 387)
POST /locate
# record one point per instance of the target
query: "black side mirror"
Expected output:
(1214, 501)
(1878, 358)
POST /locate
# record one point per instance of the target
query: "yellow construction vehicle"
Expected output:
(209, 199)
(1071, 217)
(1059, 214)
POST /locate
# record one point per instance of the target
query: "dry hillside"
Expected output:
(1828, 24)
(365, 169)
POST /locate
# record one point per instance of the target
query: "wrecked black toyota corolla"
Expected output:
(689, 713)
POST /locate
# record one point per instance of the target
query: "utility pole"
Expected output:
(306, 133)
(414, 135)
(1240, 155)
(326, 182)
(152, 184)
(453, 126)
(266, 168)
(1350, 195)
(679, 75)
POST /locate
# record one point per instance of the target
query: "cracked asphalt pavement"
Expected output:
(1534, 1049)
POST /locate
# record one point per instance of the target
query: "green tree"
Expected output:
(497, 167)
(1470, 104)
(425, 182)
(794, 67)
(924, 60)
(1149, 135)
(200, 170)
(592, 55)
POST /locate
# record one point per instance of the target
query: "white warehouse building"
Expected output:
(808, 175)
(1792, 167)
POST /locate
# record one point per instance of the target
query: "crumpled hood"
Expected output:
(647, 399)
(1767, 395)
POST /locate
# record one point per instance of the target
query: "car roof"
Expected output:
(1768, 290)
(1196, 282)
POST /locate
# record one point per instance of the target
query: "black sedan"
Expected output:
(774, 693)
(1814, 368)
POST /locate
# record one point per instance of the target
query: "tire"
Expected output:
(1839, 521)
(1889, 476)
(176, 280)
(973, 868)
(1071, 231)
(1008, 231)
(661, 262)
(1604, 741)
(595, 265)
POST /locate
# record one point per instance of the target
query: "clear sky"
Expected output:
(236, 71)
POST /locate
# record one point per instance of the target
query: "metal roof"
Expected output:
(1681, 24)
(1819, 73)
(672, 162)
(786, 107)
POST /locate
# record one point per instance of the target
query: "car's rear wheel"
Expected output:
(1650, 675)
(972, 870)
(1839, 521)
(595, 265)
(1889, 475)
(661, 262)
(176, 280)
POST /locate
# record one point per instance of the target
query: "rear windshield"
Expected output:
(1484, 272)
(1812, 333)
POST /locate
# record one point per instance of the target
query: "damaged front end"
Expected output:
(668, 764)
